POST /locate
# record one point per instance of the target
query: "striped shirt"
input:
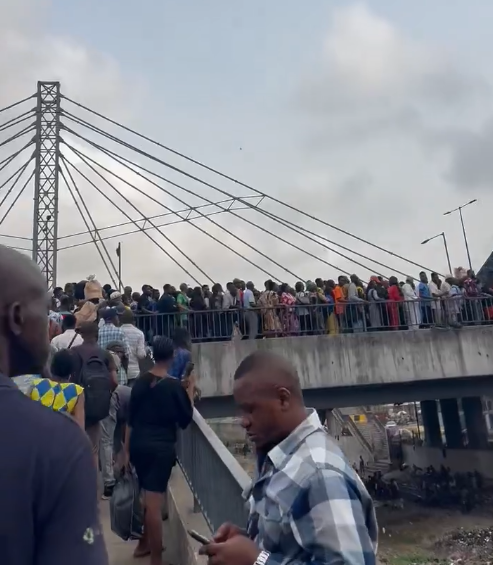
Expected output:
(307, 505)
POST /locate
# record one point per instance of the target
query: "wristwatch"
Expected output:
(262, 558)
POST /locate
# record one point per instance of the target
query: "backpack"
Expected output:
(94, 376)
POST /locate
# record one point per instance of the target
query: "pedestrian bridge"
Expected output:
(194, 501)
(361, 368)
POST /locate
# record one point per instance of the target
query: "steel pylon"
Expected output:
(47, 152)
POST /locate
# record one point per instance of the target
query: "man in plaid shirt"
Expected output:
(111, 333)
(307, 504)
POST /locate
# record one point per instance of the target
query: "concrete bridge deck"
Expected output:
(360, 369)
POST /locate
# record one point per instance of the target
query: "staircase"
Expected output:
(374, 434)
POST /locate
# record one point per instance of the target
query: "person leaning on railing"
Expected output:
(306, 503)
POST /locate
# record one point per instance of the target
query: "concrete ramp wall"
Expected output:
(357, 360)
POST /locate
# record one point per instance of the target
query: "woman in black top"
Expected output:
(158, 406)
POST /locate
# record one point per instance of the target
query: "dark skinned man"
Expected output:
(307, 505)
(48, 487)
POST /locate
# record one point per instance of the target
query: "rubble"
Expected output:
(475, 546)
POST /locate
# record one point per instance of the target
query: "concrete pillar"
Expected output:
(477, 432)
(451, 422)
(431, 423)
(322, 415)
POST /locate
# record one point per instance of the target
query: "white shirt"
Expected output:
(228, 300)
(63, 341)
(435, 293)
(408, 292)
(136, 343)
(248, 298)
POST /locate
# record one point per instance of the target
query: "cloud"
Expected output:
(372, 77)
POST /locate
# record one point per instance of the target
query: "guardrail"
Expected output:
(345, 420)
(316, 319)
(215, 478)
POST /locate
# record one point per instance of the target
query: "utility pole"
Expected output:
(47, 152)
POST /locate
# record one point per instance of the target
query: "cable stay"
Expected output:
(67, 161)
(19, 134)
(6, 162)
(16, 237)
(95, 233)
(223, 175)
(17, 120)
(144, 227)
(147, 219)
(19, 172)
(19, 194)
(17, 103)
(188, 211)
(123, 161)
(85, 157)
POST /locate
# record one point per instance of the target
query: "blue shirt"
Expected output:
(424, 290)
(180, 360)
(48, 488)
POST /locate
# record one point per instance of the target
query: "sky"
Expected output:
(375, 117)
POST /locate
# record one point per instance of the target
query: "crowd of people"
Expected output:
(445, 488)
(242, 311)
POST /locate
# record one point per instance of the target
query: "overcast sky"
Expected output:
(374, 116)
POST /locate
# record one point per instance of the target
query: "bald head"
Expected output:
(270, 369)
(268, 394)
(18, 275)
(24, 344)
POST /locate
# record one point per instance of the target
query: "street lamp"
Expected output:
(459, 209)
(444, 244)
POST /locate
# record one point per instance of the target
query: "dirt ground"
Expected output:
(410, 536)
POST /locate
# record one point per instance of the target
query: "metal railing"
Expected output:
(317, 319)
(214, 476)
(345, 420)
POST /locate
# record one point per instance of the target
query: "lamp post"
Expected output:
(459, 209)
(119, 255)
(444, 244)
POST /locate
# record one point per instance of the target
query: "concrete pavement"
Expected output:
(120, 552)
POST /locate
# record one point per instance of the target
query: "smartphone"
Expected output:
(188, 369)
(198, 537)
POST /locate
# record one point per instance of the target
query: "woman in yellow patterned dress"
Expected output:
(57, 392)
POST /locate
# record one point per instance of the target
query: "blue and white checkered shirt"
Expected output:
(109, 333)
(307, 504)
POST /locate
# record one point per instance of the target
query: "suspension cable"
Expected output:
(94, 240)
(189, 209)
(27, 129)
(17, 103)
(122, 161)
(202, 215)
(236, 181)
(86, 158)
(263, 212)
(10, 158)
(130, 203)
(19, 174)
(133, 231)
(65, 160)
(21, 169)
(17, 120)
(31, 176)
